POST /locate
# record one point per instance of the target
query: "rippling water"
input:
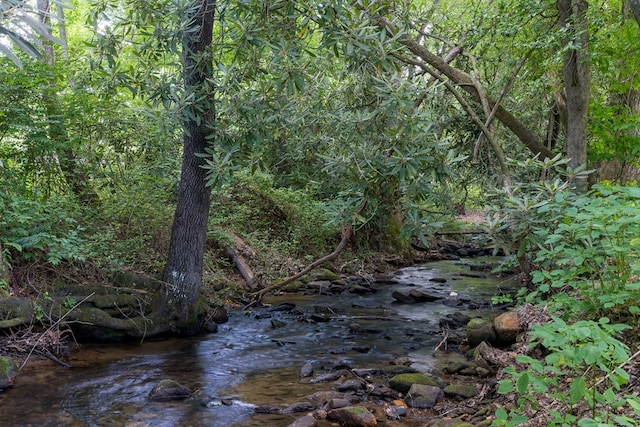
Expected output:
(250, 361)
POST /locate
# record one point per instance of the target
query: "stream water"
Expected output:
(254, 359)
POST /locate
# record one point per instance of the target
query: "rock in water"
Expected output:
(307, 370)
(167, 390)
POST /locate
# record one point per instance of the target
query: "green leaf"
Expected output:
(577, 390)
(523, 383)
(505, 386)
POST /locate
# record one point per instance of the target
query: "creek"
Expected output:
(254, 359)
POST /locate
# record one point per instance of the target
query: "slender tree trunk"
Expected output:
(573, 17)
(186, 250)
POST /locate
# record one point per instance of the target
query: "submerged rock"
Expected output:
(167, 390)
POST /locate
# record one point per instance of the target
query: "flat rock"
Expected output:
(306, 421)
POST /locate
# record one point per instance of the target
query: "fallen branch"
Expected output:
(239, 261)
(347, 232)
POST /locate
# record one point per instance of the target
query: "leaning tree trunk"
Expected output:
(183, 271)
(573, 17)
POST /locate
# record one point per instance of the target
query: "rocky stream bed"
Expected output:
(406, 348)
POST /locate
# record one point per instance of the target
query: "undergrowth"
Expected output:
(586, 252)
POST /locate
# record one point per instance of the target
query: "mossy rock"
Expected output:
(460, 390)
(403, 382)
(8, 372)
(479, 330)
(325, 274)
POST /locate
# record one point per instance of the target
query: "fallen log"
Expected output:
(234, 254)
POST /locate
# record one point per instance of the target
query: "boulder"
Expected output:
(353, 416)
(167, 390)
(423, 396)
(507, 327)
(8, 372)
(479, 330)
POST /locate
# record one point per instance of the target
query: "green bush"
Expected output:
(588, 265)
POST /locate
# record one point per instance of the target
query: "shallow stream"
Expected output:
(254, 359)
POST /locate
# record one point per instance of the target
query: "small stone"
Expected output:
(8, 372)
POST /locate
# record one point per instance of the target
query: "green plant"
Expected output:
(583, 372)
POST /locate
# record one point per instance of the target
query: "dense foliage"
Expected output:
(421, 109)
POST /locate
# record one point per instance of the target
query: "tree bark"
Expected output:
(183, 271)
(576, 71)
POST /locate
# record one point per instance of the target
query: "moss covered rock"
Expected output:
(403, 382)
(8, 372)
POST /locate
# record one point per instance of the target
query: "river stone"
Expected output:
(350, 385)
(169, 390)
(507, 327)
(338, 403)
(8, 372)
(479, 330)
(403, 382)
(307, 370)
(460, 390)
(306, 421)
(423, 396)
(325, 274)
(353, 416)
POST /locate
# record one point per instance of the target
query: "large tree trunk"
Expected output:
(183, 271)
(573, 17)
